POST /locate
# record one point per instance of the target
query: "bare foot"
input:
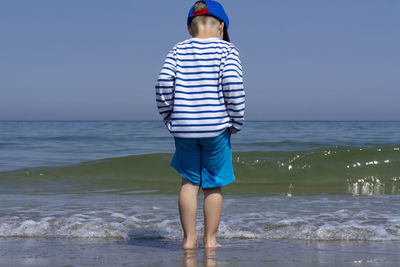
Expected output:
(190, 243)
(211, 243)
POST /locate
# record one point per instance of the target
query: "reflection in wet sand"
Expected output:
(190, 258)
(209, 257)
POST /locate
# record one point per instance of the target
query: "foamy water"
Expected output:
(146, 216)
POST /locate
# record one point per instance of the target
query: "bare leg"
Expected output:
(187, 212)
(212, 213)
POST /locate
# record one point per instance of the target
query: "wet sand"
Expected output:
(157, 252)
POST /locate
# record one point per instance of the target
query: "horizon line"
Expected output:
(253, 120)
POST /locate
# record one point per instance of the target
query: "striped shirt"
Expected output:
(199, 91)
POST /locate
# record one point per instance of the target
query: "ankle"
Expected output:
(210, 238)
(190, 237)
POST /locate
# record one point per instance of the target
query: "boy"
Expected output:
(201, 98)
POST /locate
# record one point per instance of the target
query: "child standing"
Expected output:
(200, 96)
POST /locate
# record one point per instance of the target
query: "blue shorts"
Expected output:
(206, 162)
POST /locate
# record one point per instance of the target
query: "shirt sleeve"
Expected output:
(233, 89)
(165, 86)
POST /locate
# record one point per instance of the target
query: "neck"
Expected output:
(208, 34)
(205, 36)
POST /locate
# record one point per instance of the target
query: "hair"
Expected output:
(205, 20)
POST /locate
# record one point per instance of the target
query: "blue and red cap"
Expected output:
(213, 8)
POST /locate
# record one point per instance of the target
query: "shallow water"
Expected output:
(146, 252)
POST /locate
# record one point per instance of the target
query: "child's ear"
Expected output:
(221, 29)
(221, 26)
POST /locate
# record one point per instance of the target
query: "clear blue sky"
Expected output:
(312, 60)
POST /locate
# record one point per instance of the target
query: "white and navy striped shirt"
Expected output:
(199, 91)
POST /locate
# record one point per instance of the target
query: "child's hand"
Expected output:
(232, 131)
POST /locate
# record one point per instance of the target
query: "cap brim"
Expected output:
(226, 35)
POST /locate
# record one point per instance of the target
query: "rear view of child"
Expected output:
(200, 96)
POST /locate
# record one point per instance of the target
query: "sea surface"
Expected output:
(296, 181)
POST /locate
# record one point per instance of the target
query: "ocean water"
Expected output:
(295, 180)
